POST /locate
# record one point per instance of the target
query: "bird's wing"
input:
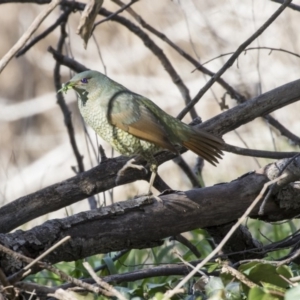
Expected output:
(130, 114)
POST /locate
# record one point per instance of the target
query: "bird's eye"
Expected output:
(84, 80)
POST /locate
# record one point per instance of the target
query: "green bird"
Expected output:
(134, 125)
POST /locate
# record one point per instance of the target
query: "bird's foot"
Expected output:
(157, 199)
(168, 191)
(129, 164)
(150, 195)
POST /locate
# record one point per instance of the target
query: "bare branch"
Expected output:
(271, 49)
(176, 213)
(232, 59)
(258, 153)
(291, 5)
(102, 177)
(27, 34)
(283, 130)
(231, 91)
(102, 283)
(158, 52)
(62, 19)
(125, 6)
(62, 103)
(170, 293)
(67, 61)
(246, 112)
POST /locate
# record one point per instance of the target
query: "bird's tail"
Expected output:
(206, 145)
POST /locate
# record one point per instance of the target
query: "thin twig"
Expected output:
(292, 6)
(238, 275)
(179, 269)
(73, 280)
(247, 147)
(187, 170)
(59, 273)
(232, 59)
(184, 241)
(62, 103)
(47, 252)
(283, 130)
(187, 263)
(289, 259)
(102, 283)
(271, 49)
(115, 13)
(295, 279)
(6, 288)
(67, 61)
(27, 34)
(158, 52)
(172, 292)
(231, 91)
(116, 257)
(258, 153)
(63, 18)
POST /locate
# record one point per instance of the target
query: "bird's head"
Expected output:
(84, 82)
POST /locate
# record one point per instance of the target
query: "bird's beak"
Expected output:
(66, 86)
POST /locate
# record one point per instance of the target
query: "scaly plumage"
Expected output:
(133, 124)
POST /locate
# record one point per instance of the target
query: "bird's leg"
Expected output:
(129, 164)
(153, 169)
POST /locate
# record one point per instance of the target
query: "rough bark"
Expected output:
(102, 177)
(144, 222)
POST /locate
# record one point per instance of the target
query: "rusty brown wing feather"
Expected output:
(141, 123)
(206, 145)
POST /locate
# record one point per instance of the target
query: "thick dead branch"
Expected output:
(144, 222)
(102, 177)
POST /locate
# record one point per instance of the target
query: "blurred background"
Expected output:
(35, 149)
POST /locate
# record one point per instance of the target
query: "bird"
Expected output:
(134, 125)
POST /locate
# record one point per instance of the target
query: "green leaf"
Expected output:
(247, 267)
(153, 289)
(110, 265)
(258, 293)
(265, 273)
(285, 271)
(164, 253)
(79, 270)
(158, 296)
(215, 285)
(83, 296)
(212, 267)
(121, 261)
(293, 294)
(273, 288)
(233, 291)
(293, 228)
(137, 293)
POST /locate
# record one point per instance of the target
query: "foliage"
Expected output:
(272, 282)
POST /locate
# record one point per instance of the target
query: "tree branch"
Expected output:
(251, 109)
(102, 177)
(91, 232)
(27, 34)
(232, 59)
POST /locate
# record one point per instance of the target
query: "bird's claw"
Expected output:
(129, 164)
(150, 194)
